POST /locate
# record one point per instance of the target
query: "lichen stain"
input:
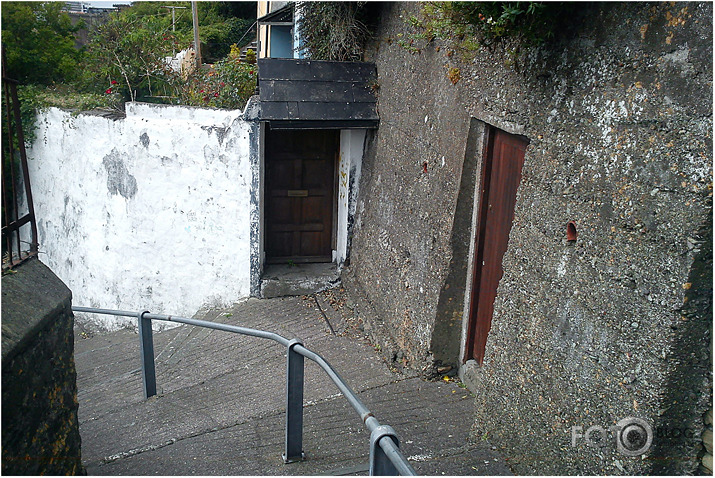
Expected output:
(678, 19)
(644, 29)
(119, 181)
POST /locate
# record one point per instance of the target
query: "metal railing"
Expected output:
(12, 161)
(385, 455)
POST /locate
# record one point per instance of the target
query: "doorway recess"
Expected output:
(501, 174)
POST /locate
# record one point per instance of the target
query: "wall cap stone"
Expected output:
(195, 114)
(31, 296)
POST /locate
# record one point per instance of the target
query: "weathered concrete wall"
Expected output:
(679, 427)
(619, 120)
(40, 431)
(151, 212)
(410, 176)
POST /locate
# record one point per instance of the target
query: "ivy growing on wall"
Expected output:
(473, 25)
(333, 30)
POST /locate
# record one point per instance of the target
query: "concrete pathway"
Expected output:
(220, 408)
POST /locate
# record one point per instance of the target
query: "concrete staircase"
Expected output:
(251, 46)
(221, 411)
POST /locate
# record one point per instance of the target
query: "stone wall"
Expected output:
(156, 211)
(707, 437)
(40, 431)
(619, 120)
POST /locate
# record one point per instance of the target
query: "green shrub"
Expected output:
(229, 84)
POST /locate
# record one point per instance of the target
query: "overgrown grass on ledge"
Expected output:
(65, 97)
(34, 98)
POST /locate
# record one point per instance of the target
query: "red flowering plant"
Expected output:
(129, 51)
(109, 90)
(227, 83)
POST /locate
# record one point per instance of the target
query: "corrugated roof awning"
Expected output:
(282, 16)
(317, 94)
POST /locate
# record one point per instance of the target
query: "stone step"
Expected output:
(283, 280)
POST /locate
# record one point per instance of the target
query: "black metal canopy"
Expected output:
(317, 94)
(282, 16)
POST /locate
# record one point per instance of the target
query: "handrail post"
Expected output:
(294, 404)
(385, 456)
(146, 341)
(380, 464)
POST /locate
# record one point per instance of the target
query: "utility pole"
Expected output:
(173, 24)
(173, 18)
(197, 45)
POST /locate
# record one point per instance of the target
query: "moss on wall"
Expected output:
(40, 431)
(619, 120)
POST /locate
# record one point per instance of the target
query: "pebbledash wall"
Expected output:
(153, 211)
(615, 325)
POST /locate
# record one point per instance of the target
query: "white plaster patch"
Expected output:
(680, 59)
(422, 457)
(561, 268)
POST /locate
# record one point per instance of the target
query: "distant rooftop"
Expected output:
(95, 6)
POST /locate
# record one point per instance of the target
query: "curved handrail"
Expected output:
(381, 435)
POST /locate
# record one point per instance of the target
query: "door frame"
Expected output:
(479, 231)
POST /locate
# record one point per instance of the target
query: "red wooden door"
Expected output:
(501, 174)
(300, 172)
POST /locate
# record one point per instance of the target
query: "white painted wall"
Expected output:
(352, 144)
(150, 212)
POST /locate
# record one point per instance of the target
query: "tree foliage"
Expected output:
(221, 24)
(126, 58)
(38, 40)
(127, 54)
(219, 37)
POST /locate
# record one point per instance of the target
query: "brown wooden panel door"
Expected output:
(501, 174)
(300, 178)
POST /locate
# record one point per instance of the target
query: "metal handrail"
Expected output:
(385, 455)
